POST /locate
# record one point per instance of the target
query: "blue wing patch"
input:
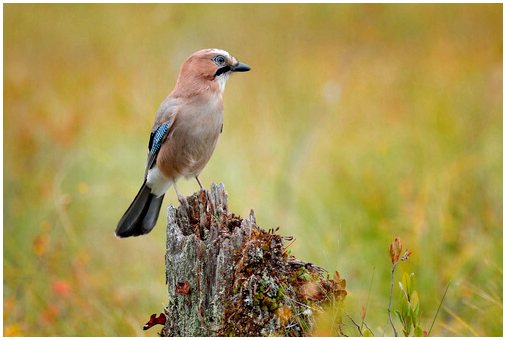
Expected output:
(155, 143)
(158, 138)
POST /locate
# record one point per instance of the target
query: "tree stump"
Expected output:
(227, 276)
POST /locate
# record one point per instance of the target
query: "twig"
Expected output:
(292, 241)
(390, 299)
(356, 324)
(439, 307)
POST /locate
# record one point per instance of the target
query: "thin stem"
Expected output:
(356, 325)
(368, 295)
(370, 330)
(439, 307)
(390, 299)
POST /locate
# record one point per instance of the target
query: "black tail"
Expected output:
(141, 215)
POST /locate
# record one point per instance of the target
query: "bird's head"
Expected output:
(207, 70)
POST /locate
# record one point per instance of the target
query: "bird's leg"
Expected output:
(198, 181)
(180, 198)
(201, 188)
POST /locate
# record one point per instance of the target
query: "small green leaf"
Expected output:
(402, 289)
(367, 333)
(415, 307)
(406, 282)
(408, 325)
(418, 331)
(411, 283)
(415, 300)
(405, 308)
(398, 313)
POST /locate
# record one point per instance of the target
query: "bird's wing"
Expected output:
(156, 140)
(160, 132)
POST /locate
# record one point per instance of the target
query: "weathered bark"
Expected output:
(222, 271)
(199, 263)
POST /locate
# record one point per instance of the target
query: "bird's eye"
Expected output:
(219, 60)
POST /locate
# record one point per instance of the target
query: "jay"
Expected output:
(184, 135)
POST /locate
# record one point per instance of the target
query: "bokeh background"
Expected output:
(357, 124)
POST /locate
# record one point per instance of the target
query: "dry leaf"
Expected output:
(153, 320)
(311, 291)
(395, 250)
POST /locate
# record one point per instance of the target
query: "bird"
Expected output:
(184, 135)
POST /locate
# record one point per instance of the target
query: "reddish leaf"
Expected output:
(395, 250)
(154, 320)
(341, 283)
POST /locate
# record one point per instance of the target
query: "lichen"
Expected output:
(273, 293)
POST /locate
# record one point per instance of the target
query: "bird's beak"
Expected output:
(240, 67)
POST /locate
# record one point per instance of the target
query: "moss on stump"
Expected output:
(228, 277)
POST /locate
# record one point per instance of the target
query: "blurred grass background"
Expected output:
(357, 123)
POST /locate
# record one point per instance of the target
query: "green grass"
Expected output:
(357, 123)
